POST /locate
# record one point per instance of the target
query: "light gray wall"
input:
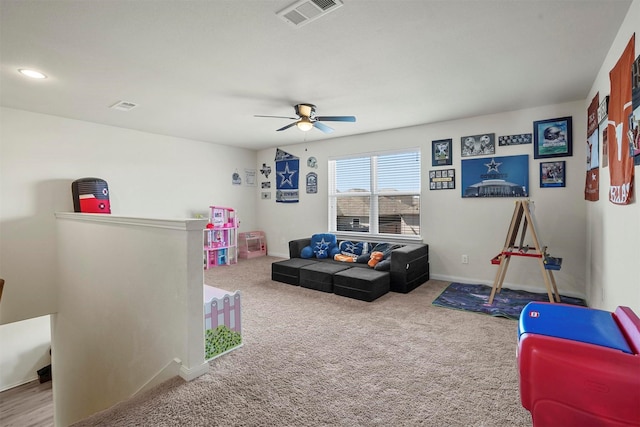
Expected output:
(451, 225)
(25, 349)
(148, 175)
(127, 310)
(613, 235)
(40, 156)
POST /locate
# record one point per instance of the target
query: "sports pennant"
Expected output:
(620, 108)
(287, 174)
(592, 181)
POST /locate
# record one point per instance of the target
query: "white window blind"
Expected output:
(377, 194)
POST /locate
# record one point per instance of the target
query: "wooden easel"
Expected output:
(546, 262)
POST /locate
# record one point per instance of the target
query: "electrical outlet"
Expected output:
(465, 259)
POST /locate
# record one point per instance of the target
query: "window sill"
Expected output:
(368, 237)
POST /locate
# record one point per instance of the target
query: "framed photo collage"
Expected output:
(483, 174)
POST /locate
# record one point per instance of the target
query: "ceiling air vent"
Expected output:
(124, 106)
(304, 11)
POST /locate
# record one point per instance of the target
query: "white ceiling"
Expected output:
(202, 69)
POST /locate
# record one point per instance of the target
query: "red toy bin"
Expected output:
(579, 366)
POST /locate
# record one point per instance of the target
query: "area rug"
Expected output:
(508, 303)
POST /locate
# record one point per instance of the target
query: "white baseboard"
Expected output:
(514, 286)
(457, 279)
(189, 374)
(18, 384)
(279, 255)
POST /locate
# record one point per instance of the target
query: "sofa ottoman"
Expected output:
(319, 275)
(361, 283)
(288, 271)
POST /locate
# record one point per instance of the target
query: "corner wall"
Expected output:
(613, 275)
(25, 349)
(148, 175)
(128, 307)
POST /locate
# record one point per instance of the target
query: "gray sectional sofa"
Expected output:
(407, 269)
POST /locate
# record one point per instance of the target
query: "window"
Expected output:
(378, 194)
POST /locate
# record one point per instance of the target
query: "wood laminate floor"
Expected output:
(28, 405)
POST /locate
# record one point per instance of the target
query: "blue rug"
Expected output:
(508, 303)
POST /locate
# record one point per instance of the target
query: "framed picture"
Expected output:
(603, 109)
(552, 174)
(552, 138)
(478, 145)
(250, 177)
(441, 152)
(523, 138)
(444, 179)
(506, 176)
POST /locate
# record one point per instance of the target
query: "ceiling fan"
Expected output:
(307, 119)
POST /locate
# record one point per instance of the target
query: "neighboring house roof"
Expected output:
(388, 205)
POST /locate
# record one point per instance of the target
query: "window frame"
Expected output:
(374, 194)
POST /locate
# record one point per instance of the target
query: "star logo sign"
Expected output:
(492, 166)
(321, 247)
(287, 175)
(351, 247)
(593, 177)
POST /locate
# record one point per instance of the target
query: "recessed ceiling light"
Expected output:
(32, 73)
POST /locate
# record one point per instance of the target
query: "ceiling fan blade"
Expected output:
(278, 117)
(286, 127)
(336, 118)
(321, 126)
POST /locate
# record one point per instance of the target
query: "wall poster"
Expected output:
(592, 180)
(496, 177)
(620, 109)
(634, 119)
(287, 171)
(442, 179)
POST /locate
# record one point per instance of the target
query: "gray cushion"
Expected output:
(288, 271)
(319, 275)
(360, 283)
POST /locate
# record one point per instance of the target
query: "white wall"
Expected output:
(41, 155)
(128, 307)
(148, 175)
(25, 349)
(613, 276)
(451, 225)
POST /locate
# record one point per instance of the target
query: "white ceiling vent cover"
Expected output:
(304, 11)
(124, 106)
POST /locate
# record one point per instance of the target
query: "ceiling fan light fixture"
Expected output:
(304, 124)
(308, 120)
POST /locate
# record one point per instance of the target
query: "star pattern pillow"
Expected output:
(324, 245)
(351, 249)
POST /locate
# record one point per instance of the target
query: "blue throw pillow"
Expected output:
(351, 249)
(306, 252)
(324, 245)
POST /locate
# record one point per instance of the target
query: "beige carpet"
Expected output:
(316, 359)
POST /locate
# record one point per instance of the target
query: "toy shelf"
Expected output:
(221, 237)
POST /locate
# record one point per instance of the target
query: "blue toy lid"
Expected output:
(574, 323)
